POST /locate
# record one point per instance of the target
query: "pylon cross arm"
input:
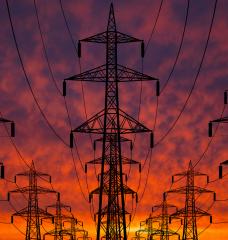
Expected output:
(223, 119)
(202, 190)
(34, 212)
(126, 74)
(4, 120)
(102, 38)
(194, 189)
(195, 173)
(185, 213)
(225, 162)
(97, 38)
(127, 124)
(125, 160)
(181, 190)
(98, 74)
(125, 38)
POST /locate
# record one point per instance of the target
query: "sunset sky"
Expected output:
(179, 138)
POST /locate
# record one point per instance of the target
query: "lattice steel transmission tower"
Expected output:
(76, 229)
(157, 224)
(59, 218)
(147, 229)
(32, 213)
(190, 212)
(111, 122)
(165, 232)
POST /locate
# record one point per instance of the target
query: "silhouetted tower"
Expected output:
(190, 212)
(76, 229)
(163, 218)
(59, 217)
(111, 122)
(148, 229)
(32, 213)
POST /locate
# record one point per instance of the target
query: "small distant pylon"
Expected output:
(59, 217)
(32, 213)
(190, 212)
(157, 225)
(147, 229)
(76, 229)
(165, 232)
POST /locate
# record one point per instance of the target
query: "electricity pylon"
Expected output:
(165, 232)
(76, 229)
(32, 213)
(111, 122)
(190, 212)
(147, 229)
(4, 120)
(59, 217)
(161, 220)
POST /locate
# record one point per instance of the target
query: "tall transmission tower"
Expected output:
(32, 213)
(111, 122)
(190, 212)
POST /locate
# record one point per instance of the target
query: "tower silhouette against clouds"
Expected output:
(112, 123)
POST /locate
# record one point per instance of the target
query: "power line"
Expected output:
(195, 79)
(65, 103)
(27, 79)
(155, 24)
(179, 49)
(44, 48)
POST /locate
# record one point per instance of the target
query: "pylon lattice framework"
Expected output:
(165, 232)
(112, 123)
(59, 217)
(190, 212)
(157, 224)
(32, 213)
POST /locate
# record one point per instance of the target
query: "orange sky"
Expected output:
(188, 139)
